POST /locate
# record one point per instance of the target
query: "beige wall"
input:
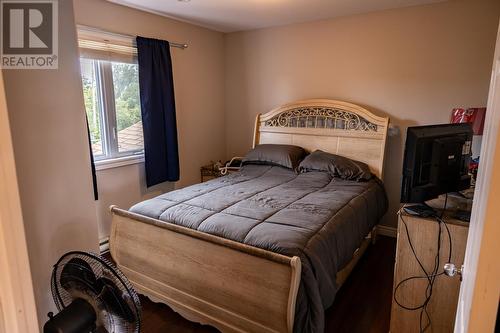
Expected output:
(199, 94)
(123, 186)
(51, 152)
(413, 64)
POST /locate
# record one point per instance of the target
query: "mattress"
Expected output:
(319, 218)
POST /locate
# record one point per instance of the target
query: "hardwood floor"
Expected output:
(363, 304)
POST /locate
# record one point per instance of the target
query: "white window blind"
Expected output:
(99, 45)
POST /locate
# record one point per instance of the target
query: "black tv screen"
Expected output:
(436, 161)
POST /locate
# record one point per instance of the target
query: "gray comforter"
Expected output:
(312, 215)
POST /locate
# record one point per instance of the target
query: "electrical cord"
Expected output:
(430, 286)
(430, 282)
(429, 276)
(444, 208)
(449, 239)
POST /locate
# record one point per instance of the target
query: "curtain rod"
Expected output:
(92, 29)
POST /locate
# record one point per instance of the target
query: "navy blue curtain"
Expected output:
(92, 164)
(156, 87)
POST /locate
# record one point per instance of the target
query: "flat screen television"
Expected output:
(436, 161)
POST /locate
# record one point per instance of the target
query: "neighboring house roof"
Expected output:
(130, 138)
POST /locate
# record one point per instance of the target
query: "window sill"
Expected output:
(118, 162)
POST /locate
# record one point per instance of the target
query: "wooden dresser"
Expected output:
(442, 307)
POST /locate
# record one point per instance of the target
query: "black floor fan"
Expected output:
(93, 296)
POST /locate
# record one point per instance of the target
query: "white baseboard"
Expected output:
(387, 231)
(104, 245)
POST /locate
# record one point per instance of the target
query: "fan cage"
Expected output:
(100, 267)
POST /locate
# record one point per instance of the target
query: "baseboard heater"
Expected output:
(104, 245)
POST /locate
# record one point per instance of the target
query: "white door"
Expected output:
(479, 292)
(17, 300)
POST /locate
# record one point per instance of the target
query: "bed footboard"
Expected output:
(207, 279)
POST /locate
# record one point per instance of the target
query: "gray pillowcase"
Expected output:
(337, 166)
(287, 156)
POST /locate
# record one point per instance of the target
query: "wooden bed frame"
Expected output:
(229, 285)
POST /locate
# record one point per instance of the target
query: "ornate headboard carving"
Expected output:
(321, 117)
(334, 126)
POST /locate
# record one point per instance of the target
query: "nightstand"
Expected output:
(215, 170)
(442, 307)
(210, 171)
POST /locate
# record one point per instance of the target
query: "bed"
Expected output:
(275, 272)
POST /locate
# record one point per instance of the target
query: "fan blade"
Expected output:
(112, 297)
(77, 271)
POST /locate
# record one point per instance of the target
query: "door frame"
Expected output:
(476, 262)
(17, 300)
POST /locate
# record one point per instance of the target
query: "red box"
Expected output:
(475, 116)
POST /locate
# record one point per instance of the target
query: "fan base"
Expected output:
(77, 317)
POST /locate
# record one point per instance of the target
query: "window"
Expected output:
(111, 93)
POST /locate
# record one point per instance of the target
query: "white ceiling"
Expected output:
(237, 15)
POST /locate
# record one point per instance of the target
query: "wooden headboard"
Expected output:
(333, 126)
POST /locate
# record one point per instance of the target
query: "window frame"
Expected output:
(105, 95)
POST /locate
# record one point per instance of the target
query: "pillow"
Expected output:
(287, 156)
(337, 166)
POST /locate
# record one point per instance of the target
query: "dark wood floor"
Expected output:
(363, 304)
